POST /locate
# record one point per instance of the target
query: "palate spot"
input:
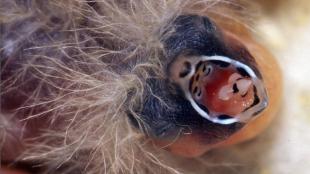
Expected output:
(195, 90)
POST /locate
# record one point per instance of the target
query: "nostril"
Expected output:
(186, 69)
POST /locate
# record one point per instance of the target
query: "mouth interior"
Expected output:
(223, 89)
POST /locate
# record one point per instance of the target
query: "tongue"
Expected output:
(227, 92)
